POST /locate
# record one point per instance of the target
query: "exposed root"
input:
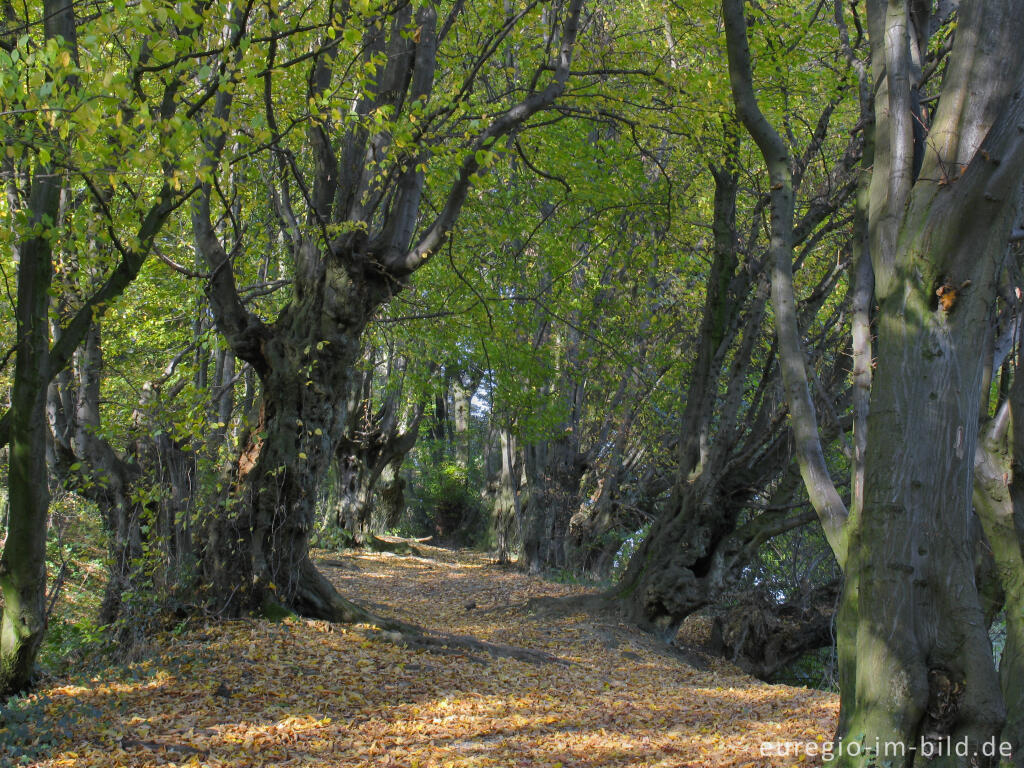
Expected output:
(595, 604)
(605, 605)
(395, 547)
(318, 599)
(457, 644)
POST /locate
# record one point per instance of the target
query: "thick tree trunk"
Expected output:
(591, 543)
(762, 636)
(372, 450)
(370, 497)
(257, 549)
(505, 515)
(553, 473)
(591, 540)
(387, 512)
(921, 642)
(354, 244)
(693, 554)
(23, 564)
(355, 479)
(999, 499)
(666, 579)
(462, 398)
(915, 656)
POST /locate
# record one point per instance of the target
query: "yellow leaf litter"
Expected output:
(308, 693)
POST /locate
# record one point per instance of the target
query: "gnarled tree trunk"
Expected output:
(257, 548)
(374, 445)
(553, 474)
(353, 247)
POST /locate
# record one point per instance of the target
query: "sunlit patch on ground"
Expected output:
(308, 693)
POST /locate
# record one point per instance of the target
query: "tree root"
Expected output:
(318, 599)
(594, 604)
(401, 547)
(458, 644)
(605, 605)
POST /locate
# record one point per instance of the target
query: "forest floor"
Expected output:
(307, 693)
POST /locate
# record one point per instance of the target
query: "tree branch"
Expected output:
(820, 488)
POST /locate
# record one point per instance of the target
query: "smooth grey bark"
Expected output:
(923, 667)
(820, 488)
(923, 425)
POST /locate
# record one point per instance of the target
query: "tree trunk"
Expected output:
(354, 244)
(999, 499)
(23, 564)
(591, 543)
(505, 515)
(667, 577)
(387, 512)
(762, 636)
(146, 498)
(938, 241)
(354, 503)
(922, 643)
(553, 473)
(462, 397)
(915, 655)
(257, 548)
(372, 449)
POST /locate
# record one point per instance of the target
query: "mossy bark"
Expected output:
(23, 563)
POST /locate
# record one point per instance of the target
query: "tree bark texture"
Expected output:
(257, 552)
(915, 654)
(733, 430)
(23, 561)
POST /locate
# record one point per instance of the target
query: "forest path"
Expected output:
(307, 693)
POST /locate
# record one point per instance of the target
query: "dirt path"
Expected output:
(307, 693)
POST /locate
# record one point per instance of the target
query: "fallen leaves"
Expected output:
(308, 693)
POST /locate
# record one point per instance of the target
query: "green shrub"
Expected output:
(442, 504)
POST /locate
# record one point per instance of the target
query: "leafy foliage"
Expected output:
(446, 506)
